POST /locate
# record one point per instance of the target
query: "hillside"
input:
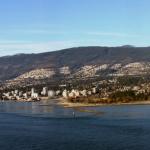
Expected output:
(78, 61)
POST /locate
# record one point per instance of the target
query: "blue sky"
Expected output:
(31, 26)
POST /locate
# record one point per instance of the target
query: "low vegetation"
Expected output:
(116, 97)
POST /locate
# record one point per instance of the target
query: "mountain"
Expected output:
(76, 61)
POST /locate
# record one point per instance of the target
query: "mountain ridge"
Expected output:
(75, 58)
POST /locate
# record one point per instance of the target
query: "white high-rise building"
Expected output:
(44, 91)
(51, 94)
(32, 91)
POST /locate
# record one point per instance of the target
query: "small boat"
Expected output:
(73, 114)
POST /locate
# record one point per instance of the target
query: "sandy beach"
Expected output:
(65, 103)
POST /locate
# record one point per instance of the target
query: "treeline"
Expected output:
(128, 96)
(133, 80)
(116, 97)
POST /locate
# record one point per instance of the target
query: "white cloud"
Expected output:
(2, 42)
(48, 31)
(39, 31)
(112, 34)
(33, 32)
(14, 47)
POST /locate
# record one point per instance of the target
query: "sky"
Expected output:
(34, 26)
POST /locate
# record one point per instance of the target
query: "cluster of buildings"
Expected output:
(102, 89)
(74, 93)
(33, 95)
(29, 95)
(21, 96)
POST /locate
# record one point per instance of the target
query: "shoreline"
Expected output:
(66, 104)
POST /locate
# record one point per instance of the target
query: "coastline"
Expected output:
(66, 104)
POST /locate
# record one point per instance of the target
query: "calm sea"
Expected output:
(47, 126)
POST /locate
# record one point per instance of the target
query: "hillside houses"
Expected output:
(102, 89)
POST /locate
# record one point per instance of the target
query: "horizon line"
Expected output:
(74, 47)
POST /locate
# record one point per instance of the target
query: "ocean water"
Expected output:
(47, 126)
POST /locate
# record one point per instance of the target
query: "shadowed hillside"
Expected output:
(13, 66)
